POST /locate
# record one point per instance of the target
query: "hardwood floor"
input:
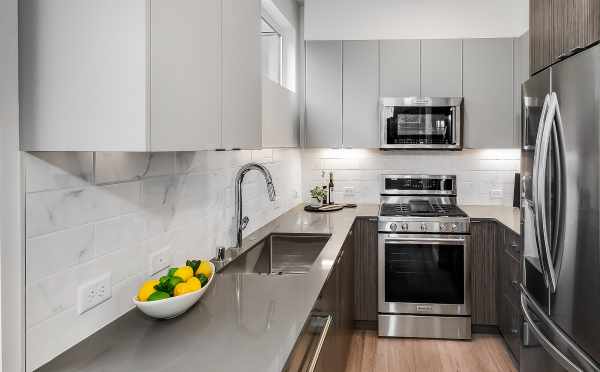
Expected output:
(485, 353)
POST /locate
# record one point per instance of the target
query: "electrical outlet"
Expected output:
(497, 194)
(160, 260)
(93, 293)
(349, 191)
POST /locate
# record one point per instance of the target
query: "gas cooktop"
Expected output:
(420, 208)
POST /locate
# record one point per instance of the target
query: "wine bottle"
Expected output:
(330, 187)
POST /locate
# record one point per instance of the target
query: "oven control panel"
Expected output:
(450, 227)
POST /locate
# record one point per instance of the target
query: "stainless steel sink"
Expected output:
(280, 254)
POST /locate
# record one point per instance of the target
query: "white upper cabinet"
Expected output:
(185, 87)
(488, 93)
(400, 68)
(140, 75)
(360, 94)
(323, 94)
(441, 68)
(242, 77)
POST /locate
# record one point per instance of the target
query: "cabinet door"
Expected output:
(185, 81)
(441, 68)
(540, 34)
(323, 94)
(521, 68)
(328, 303)
(565, 36)
(588, 14)
(360, 94)
(488, 93)
(483, 272)
(365, 269)
(400, 68)
(347, 297)
(242, 78)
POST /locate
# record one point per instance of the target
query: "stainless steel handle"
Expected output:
(422, 101)
(315, 358)
(373, 219)
(561, 194)
(556, 354)
(537, 178)
(424, 240)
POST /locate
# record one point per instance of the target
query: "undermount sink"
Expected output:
(280, 254)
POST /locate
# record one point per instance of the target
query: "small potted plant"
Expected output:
(318, 196)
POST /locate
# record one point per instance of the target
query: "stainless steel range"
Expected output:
(424, 259)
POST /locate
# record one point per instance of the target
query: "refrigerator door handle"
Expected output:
(554, 262)
(526, 304)
(538, 186)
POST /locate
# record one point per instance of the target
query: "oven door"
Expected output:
(424, 274)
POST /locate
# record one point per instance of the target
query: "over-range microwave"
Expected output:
(421, 123)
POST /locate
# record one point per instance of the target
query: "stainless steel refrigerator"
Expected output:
(560, 214)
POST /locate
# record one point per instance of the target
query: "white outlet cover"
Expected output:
(497, 194)
(160, 260)
(348, 191)
(93, 293)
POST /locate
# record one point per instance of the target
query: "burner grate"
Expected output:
(436, 210)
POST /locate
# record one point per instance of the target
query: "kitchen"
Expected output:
(379, 186)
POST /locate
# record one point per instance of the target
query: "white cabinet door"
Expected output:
(242, 79)
(323, 94)
(83, 75)
(360, 94)
(488, 93)
(400, 68)
(185, 83)
(521, 48)
(441, 68)
(281, 123)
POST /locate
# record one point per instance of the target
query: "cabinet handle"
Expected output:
(515, 284)
(514, 331)
(475, 221)
(373, 219)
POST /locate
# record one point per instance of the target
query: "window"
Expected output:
(271, 44)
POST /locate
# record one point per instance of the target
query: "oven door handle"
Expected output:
(423, 240)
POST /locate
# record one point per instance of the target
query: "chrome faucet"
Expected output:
(242, 222)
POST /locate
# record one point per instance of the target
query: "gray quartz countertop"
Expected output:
(244, 322)
(508, 216)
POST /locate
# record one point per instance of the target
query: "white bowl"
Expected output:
(174, 306)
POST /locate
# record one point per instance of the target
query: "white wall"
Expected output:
(422, 19)
(88, 215)
(478, 172)
(10, 194)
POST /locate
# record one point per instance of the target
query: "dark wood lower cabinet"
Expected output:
(365, 269)
(337, 299)
(496, 257)
(483, 272)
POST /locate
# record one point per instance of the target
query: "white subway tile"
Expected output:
(54, 252)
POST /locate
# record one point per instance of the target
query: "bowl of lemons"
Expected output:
(174, 293)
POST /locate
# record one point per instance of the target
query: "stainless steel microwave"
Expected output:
(425, 123)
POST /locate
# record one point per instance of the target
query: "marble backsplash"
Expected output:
(481, 174)
(92, 213)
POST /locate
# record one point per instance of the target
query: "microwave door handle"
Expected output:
(535, 186)
(550, 348)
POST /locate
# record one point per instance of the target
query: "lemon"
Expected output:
(184, 272)
(181, 289)
(147, 289)
(204, 268)
(194, 284)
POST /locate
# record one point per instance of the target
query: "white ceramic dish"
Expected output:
(174, 306)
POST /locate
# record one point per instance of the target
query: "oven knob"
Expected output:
(454, 227)
(393, 227)
(423, 227)
(404, 227)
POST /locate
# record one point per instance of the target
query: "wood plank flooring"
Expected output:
(485, 353)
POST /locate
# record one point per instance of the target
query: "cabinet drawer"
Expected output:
(511, 268)
(510, 325)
